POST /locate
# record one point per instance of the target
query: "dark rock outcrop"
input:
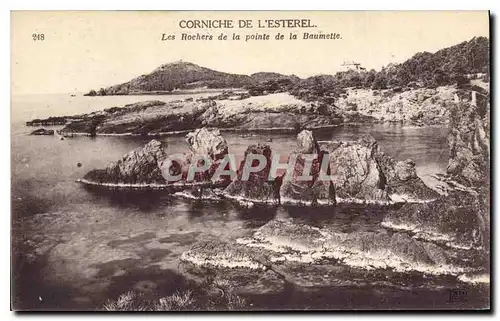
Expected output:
(43, 131)
(149, 166)
(314, 190)
(139, 167)
(257, 188)
(51, 121)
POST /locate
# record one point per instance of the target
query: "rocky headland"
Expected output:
(280, 111)
(42, 131)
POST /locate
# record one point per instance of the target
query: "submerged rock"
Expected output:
(229, 263)
(139, 167)
(311, 258)
(288, 241)
(42, 131)
(459, 220)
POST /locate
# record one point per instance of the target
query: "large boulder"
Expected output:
(258, 188)
(307, 143)
(207, 142)
(139, 167)
(315, 190)
(355, 172)
(205, 145)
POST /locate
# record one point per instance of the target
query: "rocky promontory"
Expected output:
(42, 131)
(147, 168)
(137, 168)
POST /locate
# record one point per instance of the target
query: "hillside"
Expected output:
(454, 65)
(185, 75)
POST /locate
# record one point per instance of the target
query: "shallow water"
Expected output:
(96, 245)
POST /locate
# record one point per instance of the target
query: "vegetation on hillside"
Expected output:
(448, 66)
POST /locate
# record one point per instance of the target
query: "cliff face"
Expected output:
(461, 218)
(421, 106)
(469, 139)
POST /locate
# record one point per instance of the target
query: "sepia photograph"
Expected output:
(250, 161)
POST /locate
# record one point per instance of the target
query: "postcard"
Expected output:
(250, 160)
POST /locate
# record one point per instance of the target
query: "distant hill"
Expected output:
(186, 75)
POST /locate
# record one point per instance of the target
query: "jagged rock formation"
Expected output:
(362, 171)
(206, 145)
(42, 131)
(314, 190)
(139, 167)
(148, 167)
(207, 142)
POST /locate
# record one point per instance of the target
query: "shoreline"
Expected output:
(271, 130)
(176, 188)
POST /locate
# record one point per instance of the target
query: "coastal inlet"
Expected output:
(83, 246)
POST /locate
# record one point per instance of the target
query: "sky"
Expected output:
(85, 50)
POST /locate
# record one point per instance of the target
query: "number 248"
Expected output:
(38, 36)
